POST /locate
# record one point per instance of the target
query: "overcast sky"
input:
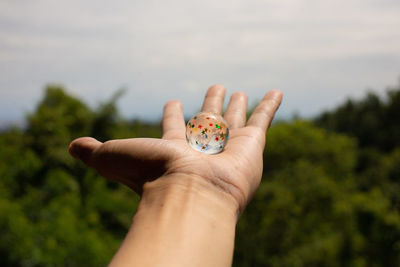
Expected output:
(317, 52)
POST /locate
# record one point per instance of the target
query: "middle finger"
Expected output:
(214, 99)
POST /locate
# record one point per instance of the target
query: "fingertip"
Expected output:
(265, 111)
(240, 95)
(275, 96)
(216, 90)
(173, 103)
(173, 122)
(82, 148)
(235, 114)
(274, 93)
(217, 87)
(214, 99)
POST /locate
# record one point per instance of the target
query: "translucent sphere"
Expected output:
(207, 132)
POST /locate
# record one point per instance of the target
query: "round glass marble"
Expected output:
(207, 132)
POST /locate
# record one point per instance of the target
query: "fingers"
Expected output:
(93, 152)
(82, 148)
(129, 161)
(173, 123)
(214, 99)
(235, 114)
(264, 113)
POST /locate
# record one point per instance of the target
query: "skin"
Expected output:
(190, 201)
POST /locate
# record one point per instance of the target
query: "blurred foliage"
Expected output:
(329, 195)
(374, 121)
(314, 209)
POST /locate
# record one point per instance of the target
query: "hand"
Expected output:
(236, 171)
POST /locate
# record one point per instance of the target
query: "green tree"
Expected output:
(373, 121)
(53, 210)
(310, 210)
(329, 196)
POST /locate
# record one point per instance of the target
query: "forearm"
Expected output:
(181, 221)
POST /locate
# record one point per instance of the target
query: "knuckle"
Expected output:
(169, 116)
(235, 112)
(107, 146)
(262, 109)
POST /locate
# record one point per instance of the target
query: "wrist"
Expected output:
(181, 221)
(189, 191)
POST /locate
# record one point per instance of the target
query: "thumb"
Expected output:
(129, 161)
(83, 147)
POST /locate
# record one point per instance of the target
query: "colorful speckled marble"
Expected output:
(207, 132)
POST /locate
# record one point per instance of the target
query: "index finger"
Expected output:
(264, 113)
(173, 123)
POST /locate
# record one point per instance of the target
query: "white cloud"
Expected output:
(317, 52)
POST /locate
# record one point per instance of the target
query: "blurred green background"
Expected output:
(329, 195)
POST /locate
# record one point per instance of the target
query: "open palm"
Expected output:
(236, 170)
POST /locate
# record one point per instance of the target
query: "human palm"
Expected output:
(236, 170)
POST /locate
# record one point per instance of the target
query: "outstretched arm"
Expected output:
(190, 201)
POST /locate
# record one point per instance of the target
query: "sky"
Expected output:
(318, 53)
